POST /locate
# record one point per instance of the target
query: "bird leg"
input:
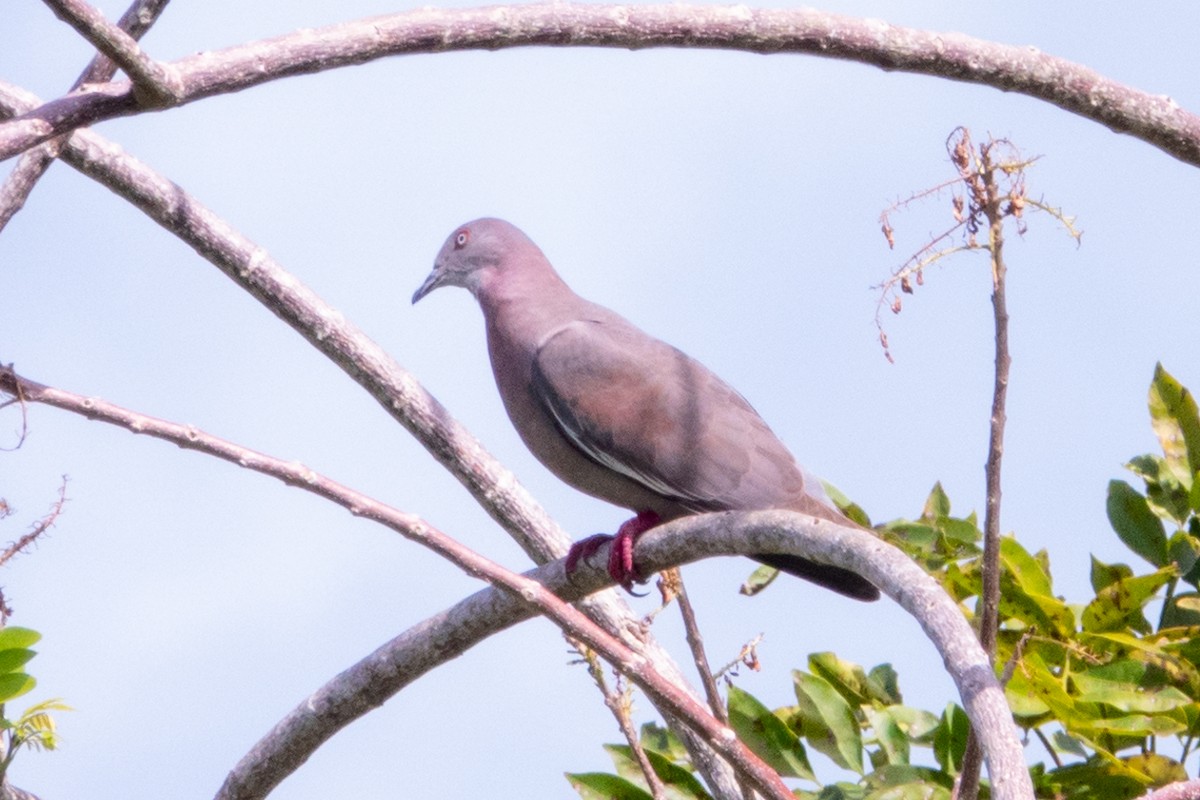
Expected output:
(620, 558)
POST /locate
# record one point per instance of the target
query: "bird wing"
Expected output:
(644, 409)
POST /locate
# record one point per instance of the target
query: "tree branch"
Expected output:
(671, 698)
(154, 84)
(1184, 790)
(1155, 119)
(681, 541)
(33, 164)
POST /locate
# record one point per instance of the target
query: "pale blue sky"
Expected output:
(726, 202)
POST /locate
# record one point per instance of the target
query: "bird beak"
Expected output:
(432, 282)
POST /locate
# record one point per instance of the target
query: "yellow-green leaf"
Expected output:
(1176, 422)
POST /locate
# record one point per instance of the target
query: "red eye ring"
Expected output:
(461, 238)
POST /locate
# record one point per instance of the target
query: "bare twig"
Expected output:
(619, 702)
(993, 204)
(35, 531)
(1155, 119)
(154, 85)
(666, 695)
(695, 641)
(136, 20)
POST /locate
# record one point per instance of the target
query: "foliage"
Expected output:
(35, 727)
(1099, 685)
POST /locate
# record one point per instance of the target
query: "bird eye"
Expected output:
(461, 239)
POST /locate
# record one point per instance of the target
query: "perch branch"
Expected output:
(689, 539)
(1073, 87)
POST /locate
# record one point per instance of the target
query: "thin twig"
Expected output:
(36, 530)
(618, 702)
(695, 641)
(154, 85)
(988, 199)
(1153, 118)
(33, 164)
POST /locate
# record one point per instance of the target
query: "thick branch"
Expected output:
(154, 84)
(1184, 790)
(136, 20)
(1070, 86)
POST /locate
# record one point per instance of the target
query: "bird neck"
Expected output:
(528, 301)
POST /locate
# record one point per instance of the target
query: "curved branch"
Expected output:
(1070, 86)
(544, 590)
(385, 672)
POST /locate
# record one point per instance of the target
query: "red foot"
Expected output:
(620, 557)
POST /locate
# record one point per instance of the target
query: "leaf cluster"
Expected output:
(1099, 685)
(35, 727)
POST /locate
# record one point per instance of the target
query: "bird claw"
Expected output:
(621, 567)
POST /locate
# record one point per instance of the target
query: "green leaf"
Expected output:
(602, 786)
(14, 658)
(903, 782)
(678, 782)
(886, 680)
(1119, 605)
(1179, 670)
(1025, 592)
(15, 684)
(660, 739)
(760, 579)
(1167, 496)
(950, 739)
(1182, 611)
(1176, 422)
(828, 721)
(937, 504)
(1136, 525)
(1103, 685)
(892, 739)
(846, 505)
(1134, 725)
(851, 681)
(1026, 570)
(767, 736)
(1159, 770)
(1034, 688)
(15, 637)
(1105, 574)
(918, 724)
(1065, 743)
(1185, 552)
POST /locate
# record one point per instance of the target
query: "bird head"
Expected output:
(473, 255)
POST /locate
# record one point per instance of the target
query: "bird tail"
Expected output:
(837, 579)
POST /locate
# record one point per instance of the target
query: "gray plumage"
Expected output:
(615, 412)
